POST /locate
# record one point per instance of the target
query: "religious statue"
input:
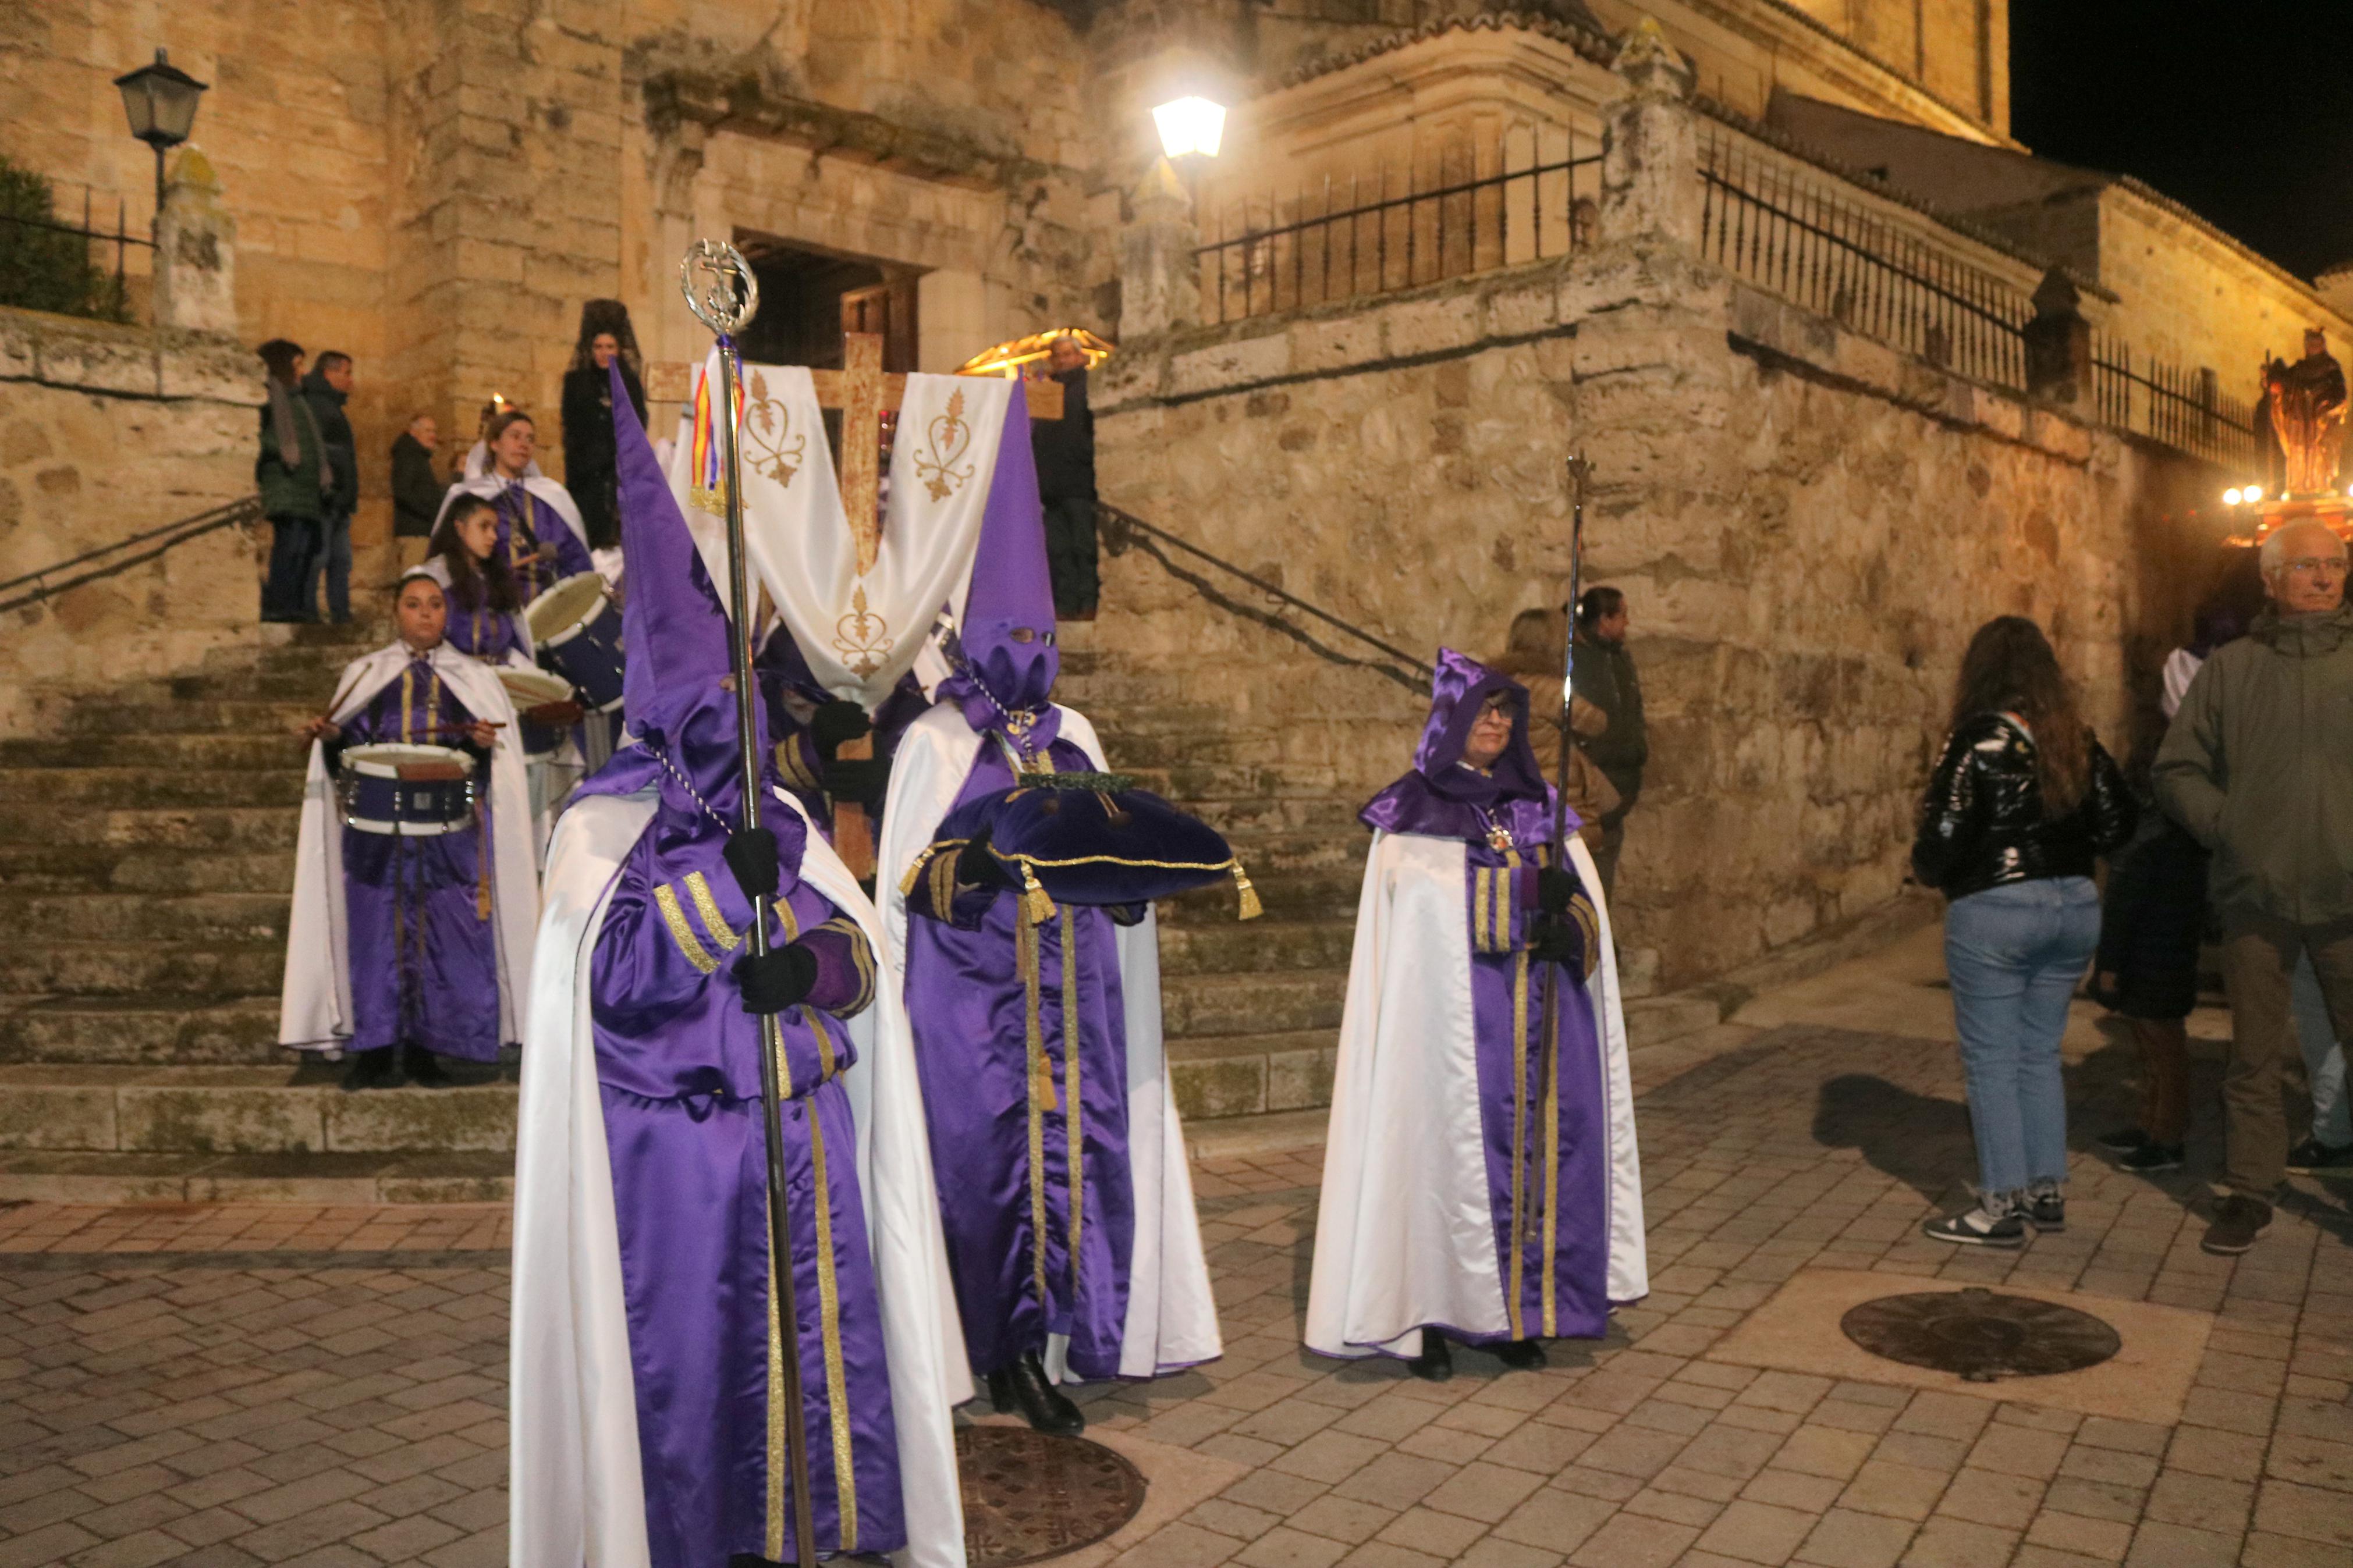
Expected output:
(2306, 400)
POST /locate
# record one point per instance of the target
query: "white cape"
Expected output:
(489, 487)
(315, 1009)
(578, 1490)
(1172, 1320)
(1405, 1235)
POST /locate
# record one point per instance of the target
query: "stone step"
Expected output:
(136, 1031)
(243, 1110)
(120, 714)
(313, 686)
(1193, 1006)
(196, 970)
(267, 749)
(92, 867)
(355, 1180)
(137, 788)
(211, 829)
(184, 918)
(1305, 892)
(1249, 1074)
(1260, 946)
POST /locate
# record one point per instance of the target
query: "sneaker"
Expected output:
(2238, 1221)
(2151, 1157)
(2123, 1141)
(2312, 1155)
(2047, 1210)
(1980, 1227)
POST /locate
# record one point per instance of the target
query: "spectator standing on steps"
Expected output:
(415, 490)
(1606, 678)
(1065, 451)
(325, 389)
(291, 474)
(2258, 767)
(2021, 803)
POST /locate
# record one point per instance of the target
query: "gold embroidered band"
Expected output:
(707, 906)
(680, 933)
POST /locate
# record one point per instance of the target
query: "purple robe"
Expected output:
(526, 523)
(789, 693)
(487, 634)
(423, 948)
(1003, 1130)
(678, 1070)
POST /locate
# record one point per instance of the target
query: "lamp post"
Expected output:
(161, 100)
(1191, 130)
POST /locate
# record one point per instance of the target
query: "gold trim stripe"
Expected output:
(1549, 1260)
(1519, 1125)
(1025, 947)
(861, 954)
(713, 920)
(680, 931)
(775, 1548)
(828, 1301)
(1481, 877)
(1073, 1118)
(793, 770)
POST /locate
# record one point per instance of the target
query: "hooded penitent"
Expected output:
(1070, 1223)
(676, 1069)
(1459, 1090)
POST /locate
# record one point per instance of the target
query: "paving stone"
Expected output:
(1845, 1539)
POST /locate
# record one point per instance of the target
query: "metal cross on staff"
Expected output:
(723, 295)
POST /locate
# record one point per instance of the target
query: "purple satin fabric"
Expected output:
(678, 1068)
(1443, 797)
(533, 578)
(1579, 1261)
(489, 634)
(966, 1002)
(424, 963)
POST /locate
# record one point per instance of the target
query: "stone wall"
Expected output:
(107, 431)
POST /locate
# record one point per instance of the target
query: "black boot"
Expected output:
(378, 1068)
(1023, 1387)
(424, 1069)
(1521, 1355)
(1436, 1362)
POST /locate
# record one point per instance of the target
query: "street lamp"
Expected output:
(1191, 126)
(161, 100)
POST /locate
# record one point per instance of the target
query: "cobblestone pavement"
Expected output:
(226, 1387)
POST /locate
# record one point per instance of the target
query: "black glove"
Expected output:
(865, 780)
(1561, 942)
(1554, 887)
(752, 855)
(774, 982)
(975, 867)
(835, 722)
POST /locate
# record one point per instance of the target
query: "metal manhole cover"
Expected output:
(1981, 1335)
(1029, 1496)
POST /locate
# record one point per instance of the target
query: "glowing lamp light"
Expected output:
(2230, 497)
(1190, 126)
(2253, 494)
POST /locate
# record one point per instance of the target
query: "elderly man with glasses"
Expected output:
(2258, 767)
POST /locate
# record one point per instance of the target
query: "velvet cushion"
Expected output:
(1089, 838)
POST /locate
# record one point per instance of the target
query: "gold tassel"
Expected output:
(1034, 901)
(1252, 908)
(914, 874)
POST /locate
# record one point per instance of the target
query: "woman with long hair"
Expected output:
(2021, 803)
(540, 531)
(291, 471)
(589, 473)
(485, 606)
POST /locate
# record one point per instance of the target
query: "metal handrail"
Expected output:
(1123, 530)
(232, 514)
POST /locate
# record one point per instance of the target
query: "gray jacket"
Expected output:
(2258, 766)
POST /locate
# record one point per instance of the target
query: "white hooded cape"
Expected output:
(577, 1480)
(315, 1009)
(1172, 1320)
(1405, 1235)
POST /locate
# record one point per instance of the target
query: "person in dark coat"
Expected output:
(1065, 451)
(291, 476)
(589, 471)
(325, 389)
(1606, 678)
(415, 488)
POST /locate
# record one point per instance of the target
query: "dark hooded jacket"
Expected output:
(335, 443)
(415, 492)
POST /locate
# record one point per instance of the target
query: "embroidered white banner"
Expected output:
(860, 631)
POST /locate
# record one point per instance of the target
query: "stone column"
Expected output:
(1649, 145)
(2058, 342)
(195, 250)
(1159, 278)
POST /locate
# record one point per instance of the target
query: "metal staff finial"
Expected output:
(725, 296)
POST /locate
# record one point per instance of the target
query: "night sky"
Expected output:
(2242, 111)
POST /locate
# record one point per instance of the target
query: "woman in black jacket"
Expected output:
(588, 463)
(2022, 802)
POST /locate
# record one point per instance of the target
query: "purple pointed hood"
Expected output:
(1442, 796)
(1008, 653)
(674, 638)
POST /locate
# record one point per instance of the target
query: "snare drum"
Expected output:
(529, 688)
(577, 627)
(411, 792)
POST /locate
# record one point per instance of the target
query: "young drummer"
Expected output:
(405, 946)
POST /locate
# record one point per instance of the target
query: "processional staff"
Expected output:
(725, 296)
(1579, 468)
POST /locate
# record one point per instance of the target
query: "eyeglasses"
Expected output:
(2314, 565)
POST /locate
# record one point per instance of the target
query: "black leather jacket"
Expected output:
(1982, 822)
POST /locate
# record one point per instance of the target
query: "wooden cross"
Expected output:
(863, 394)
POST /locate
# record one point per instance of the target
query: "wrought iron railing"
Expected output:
(94, 292)
(2184, 409)
(1123, 530)
(1792, 230)
(111, 560)
(1529, 196)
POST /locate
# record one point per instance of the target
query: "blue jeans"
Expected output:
(293, 542)
(334, 558)
(2324, 1059)
(2015, 954)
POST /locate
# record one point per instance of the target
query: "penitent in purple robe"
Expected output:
(423, 945)
(490, 636)
(790, 692)
(1037, 1244)
(525, 522)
